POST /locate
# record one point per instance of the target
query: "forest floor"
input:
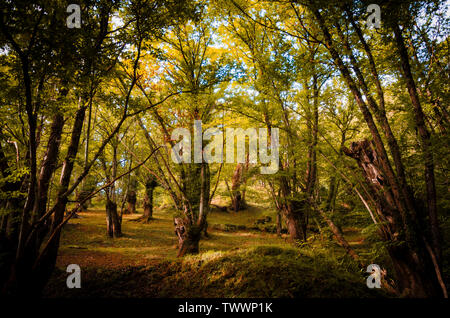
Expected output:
(85, 243)
(241, 262)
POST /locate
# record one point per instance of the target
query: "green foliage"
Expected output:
(140, 69)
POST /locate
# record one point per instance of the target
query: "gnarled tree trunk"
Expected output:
(188, 236)
(113, 224)
(295, 221)
(293, 210)
(196, 184)
(416, 274)
(238, 182)
(131, 202)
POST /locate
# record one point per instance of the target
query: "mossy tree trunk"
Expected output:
(399, 214)
(409, 250)
(238, 183)
(131, 202)
(196, 188)
(113, 223)
(150, 186)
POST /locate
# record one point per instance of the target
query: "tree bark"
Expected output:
(188, 237)
(47, 262)
(425, 143)
(415, 271)
(293, 211)
(148, 199)
(237, 200)
(131, 202)
(294, 224)
(113, 224)
(196, 180)
(279, 226)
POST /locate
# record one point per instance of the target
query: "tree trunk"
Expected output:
(148, 205)
(188, 237)
(109, 221)
(148, 199)
(425, 143)
(113, 224)
(48, 166)
(279, 223)
(44, 265)
(416, 274)
(332, 193)
(196, 180)
(295, 221)
(131, 202)
(237, 199)
(293, 211)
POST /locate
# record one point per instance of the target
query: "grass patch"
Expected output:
(263, 271)
(241, 263)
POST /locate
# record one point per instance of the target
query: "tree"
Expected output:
(61, 68)
(150, 186)
(395, 203)
(192, 66)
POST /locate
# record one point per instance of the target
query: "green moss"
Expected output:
(238, 263)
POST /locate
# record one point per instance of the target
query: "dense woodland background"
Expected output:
(85, 132)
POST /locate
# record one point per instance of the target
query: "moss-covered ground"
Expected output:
(239, 263)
